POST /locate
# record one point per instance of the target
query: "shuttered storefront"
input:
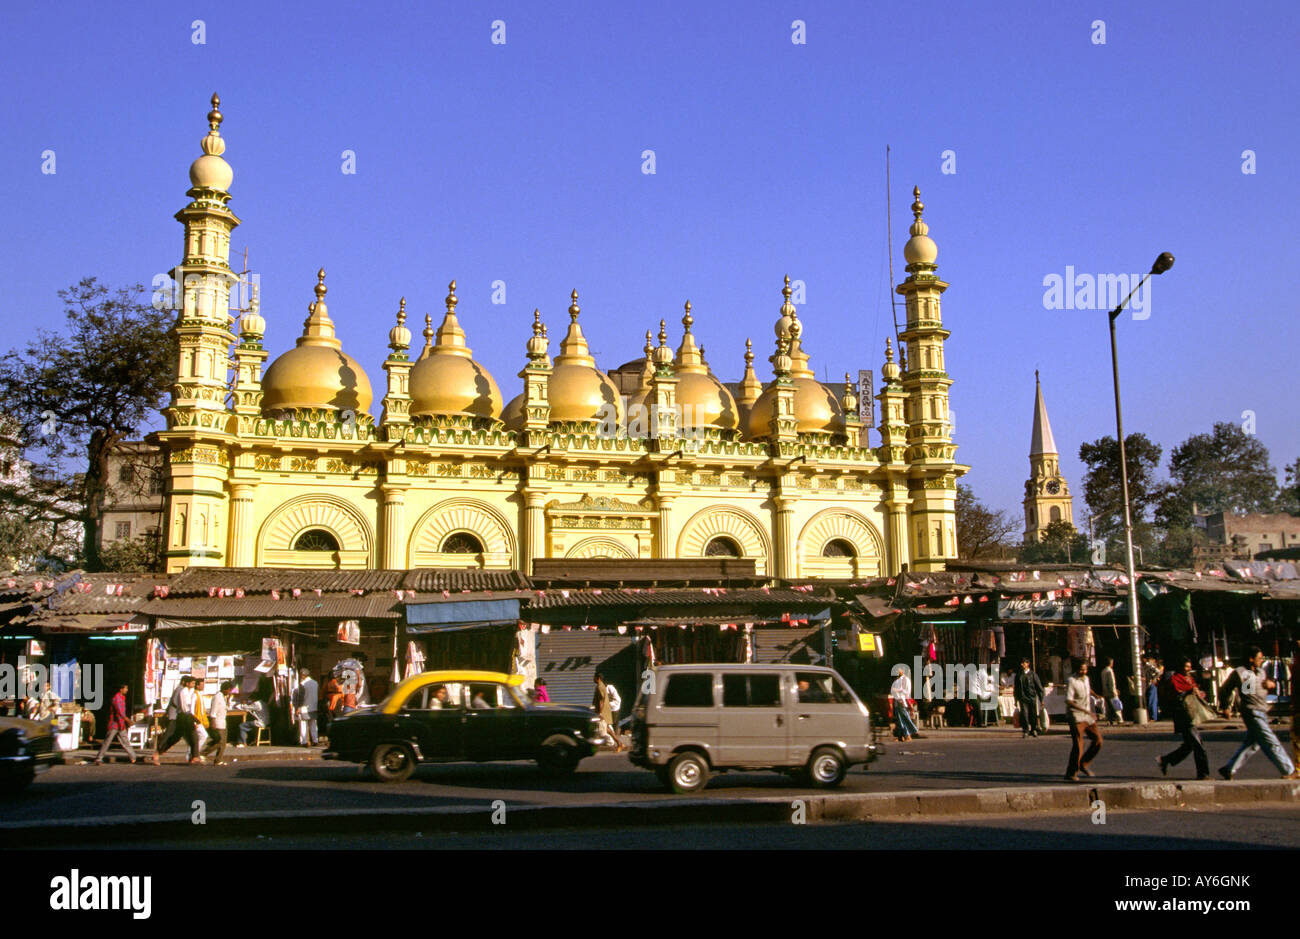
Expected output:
(787, 644)
(569, 662)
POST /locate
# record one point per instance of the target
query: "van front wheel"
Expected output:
(688, 772)
(826, 768)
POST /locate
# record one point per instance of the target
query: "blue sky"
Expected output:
(522, 162)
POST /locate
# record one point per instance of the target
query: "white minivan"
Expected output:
(692, 720)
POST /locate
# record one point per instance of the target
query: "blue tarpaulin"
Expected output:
(458, 614)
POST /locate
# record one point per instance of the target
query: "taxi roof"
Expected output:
(404, 688)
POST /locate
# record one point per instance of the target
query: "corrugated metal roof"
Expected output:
(307, 606)
(197, 581)
(431, 579)
(700, 596)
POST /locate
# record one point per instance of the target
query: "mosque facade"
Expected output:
(293, 463)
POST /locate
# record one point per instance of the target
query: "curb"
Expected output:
(668, 811)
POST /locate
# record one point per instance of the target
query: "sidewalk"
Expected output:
(177, 755)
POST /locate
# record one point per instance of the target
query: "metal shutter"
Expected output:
(569, 662)
(786, 644)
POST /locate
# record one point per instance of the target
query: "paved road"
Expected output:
(936, 763)
(1233, 828)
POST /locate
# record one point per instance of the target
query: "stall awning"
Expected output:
(422, 618)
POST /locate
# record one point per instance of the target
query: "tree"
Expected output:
(981, 531)
(1226, 470)
(1105, 495)
(1061, 544)
(76, 394)
(1288, 497)
(143, 553)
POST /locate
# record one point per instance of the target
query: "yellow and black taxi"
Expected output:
(27, 749)
(462, 716)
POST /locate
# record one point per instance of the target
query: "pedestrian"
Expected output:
(1295, 704)
(615, 705)
(1153, 674)
(1082, 721)
(601, 705)
(181, 724)
(217, 722)
(256, 717)
(306, 700)
(1249, 680)
(1029, 699)
(118, 725)
(1110, 693)
(900, 693)
(49, 704)
(543, 696)
(1182, 690)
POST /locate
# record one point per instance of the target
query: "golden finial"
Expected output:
(428, 329)
(401, 312)
(848, 382)
(320, 284)
(918, 206)
(543, 330)
(451, 297)
(749, 353)
(649, 344)
(574, 309)
(214, 116)
(786, 291)
(687, 320)
(889, 349)
(537, 345)
(537, 322)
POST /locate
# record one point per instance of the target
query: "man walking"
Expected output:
(1110, 692)
(181, 722)
(1253, 685)
(1082, 720)
(217, 723)
(1029, 699)
(118, 724)
(1152, 674)
(306, 700)
(1182, 684)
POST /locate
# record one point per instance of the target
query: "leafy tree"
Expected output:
(75, 394)
(1226, 470)
(981, 532)
(1288, 497)
(1105, 496)
(1061, 544)
(143, 553)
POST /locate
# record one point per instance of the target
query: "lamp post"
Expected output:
(1162, 264)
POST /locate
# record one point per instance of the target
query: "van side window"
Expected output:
(820, 688)
(689, 690)
(755, 691)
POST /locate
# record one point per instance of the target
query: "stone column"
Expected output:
(899, 553)
(392, 556)
(533, 543)
(787, 562)
(664, 541)
(242, 550)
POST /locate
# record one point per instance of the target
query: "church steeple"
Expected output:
(1047, 495)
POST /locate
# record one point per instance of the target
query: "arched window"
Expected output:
(838, 548)
(1055, 513)
(722, 547)
(462, 542)
(316, 539)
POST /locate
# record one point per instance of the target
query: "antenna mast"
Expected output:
(889, 237)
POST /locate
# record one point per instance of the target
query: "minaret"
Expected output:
(536, 376)
(397, 402)
(930, 452)
(893, 447)
(1047, 495)
(197, 416)
(663, 396)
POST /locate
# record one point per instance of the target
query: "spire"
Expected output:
(1041, 442)
(849, 401)
(890, 372)
(920, 250)
(648, 369)
(399, 337)
(573, 348)
(451, 338)
(690, 358)
(663, 355)
(538, 344)
(789, 327)
(318, 329)
(750, 386)
(210, 171)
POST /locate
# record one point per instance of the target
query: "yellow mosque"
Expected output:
(294, 463)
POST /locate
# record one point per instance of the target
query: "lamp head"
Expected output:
(1163, 263)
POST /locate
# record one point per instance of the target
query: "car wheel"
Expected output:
(392, 762)
(558, 759)
(688, 772)
(826, 768)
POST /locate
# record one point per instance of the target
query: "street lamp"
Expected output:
(1162, 264)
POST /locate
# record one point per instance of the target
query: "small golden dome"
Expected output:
(711, 403)
(447, 380)
(920, 248)
(577, 389)
(316, 373)
(210, 171)
(815, 406)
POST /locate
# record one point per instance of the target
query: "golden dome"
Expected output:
(710, 403)
(816, 408)
(316, 373)
(578, 391)
(920, 248)
(210, 171)
(447, 380)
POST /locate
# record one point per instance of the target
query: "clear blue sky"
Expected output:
(522, 162)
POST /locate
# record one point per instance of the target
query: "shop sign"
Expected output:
(1023, 609)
